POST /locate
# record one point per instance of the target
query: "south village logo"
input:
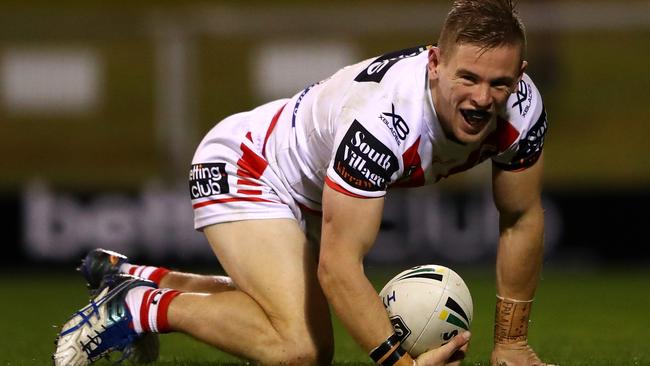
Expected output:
(363, 161)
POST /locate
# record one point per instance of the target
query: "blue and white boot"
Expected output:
(103, 327)
(98, 264)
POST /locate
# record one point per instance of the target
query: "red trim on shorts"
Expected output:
(310, 210)
(231, 199)
(251, 162)
(254, 192)
(335, 186)
(245, 174)
(274, 121)
(245, 182)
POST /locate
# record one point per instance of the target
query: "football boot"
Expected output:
(104, 326)
(98, 264)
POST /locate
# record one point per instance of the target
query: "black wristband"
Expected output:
(380, 351)
(394, 357)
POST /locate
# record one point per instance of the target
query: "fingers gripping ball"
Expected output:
(428, 305)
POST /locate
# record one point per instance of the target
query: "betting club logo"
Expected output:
(208, 179)
(363, 161)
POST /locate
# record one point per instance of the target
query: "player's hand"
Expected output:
(452, 352)
(515, 354)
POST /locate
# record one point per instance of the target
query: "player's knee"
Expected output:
(304, 350)
(306, 354)
(323, 352)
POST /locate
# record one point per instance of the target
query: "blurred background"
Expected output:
(103, 103)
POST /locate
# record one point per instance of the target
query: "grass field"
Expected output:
(580, 317)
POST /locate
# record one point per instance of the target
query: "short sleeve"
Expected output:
(528, 116)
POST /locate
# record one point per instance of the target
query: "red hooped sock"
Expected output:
(148, 307)
(150, 273)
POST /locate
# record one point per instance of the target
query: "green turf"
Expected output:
(580, 317)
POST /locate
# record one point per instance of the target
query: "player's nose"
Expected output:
(481, 97)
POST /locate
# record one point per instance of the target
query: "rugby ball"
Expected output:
(428, 305)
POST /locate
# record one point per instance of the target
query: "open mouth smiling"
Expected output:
(476, 117)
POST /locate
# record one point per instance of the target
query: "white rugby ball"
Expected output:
(428, 305)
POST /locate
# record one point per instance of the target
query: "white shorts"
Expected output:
(230, 178)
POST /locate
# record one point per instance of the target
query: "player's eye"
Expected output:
(502, 85)
(468, 79)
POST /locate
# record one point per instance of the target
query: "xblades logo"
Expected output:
(523, 94)
(397, 125)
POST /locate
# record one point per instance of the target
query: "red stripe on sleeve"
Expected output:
(335, 186)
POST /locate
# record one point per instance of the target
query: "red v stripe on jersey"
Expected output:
(413, 173)
(506, 134)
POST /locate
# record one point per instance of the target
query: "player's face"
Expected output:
(471, 86)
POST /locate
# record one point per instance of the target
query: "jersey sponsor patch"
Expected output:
(530, 148)
(524, 97)
(396, 124)
(208, 179)
(379, 66)
(363, 161)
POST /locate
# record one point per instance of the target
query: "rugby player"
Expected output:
(290, 197)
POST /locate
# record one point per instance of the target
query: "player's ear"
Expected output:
(522, 69)
(434, 61)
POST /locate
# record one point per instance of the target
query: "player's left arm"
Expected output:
(350, 226)
(517, 195)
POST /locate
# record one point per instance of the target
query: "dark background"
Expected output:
(101, 106)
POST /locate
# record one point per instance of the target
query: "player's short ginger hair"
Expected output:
(484, 23)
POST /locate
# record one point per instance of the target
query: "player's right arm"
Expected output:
(350, 226)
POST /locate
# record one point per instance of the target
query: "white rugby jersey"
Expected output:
(373, 126)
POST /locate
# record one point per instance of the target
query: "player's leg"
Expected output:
(278, 313)
(192, 282)
(100, 263)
